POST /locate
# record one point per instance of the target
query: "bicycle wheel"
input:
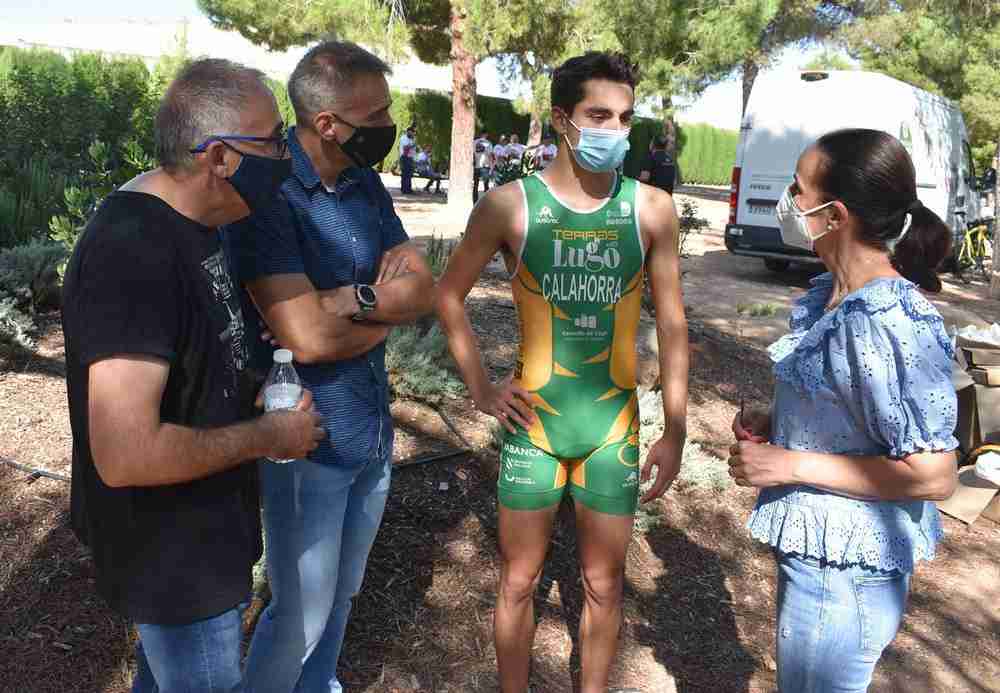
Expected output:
(984, 255)
(963, 257)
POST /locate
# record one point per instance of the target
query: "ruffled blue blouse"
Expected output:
(871, 377)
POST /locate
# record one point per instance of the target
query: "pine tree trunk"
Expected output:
(750, 71)
(535, 128)
(463, 104)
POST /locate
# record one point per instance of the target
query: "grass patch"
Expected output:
(757, 310)
(699, 469)
(419, 365)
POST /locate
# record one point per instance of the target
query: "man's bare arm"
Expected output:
(663, 270)
(131, 446)
(491, 224)
(293, 310)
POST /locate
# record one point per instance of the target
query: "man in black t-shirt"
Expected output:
(659, 168)
(159, 394)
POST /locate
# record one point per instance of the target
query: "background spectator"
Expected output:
(482, 164)
(407, 150)
(659, 168)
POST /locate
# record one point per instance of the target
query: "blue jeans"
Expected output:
(199, 657)
(833, 623)
(406, 174)
(320, 522)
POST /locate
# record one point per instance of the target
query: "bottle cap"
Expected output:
(283, 356)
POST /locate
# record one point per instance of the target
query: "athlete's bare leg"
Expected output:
(524, 541)
(602, 542)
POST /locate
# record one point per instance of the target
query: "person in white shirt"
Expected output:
(482, 164)
(515, 150)
(546, 153)
(425, 167)
(500, 153)
(407, 150)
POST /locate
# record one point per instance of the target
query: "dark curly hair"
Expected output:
(568, 78)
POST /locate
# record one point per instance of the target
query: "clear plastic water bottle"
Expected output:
(282, 389)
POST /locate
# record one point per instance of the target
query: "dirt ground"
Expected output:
(699, 591)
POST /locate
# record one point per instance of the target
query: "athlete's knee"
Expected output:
(603, 588)
(518, 584)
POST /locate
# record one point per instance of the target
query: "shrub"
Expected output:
(29, 275)
(438, 253)
(52, 107)
(93, 185)
(27, 199)
(698, 468)
(417, 363)
(690, 222)
(29, 281)
(15, 327)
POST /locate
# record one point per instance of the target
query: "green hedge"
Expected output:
(707, 154)
(53, 108)
(430, 111)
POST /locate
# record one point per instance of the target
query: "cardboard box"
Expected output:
(971, 498)
(987, 375)
(982, 357)
(992, 511)
(966, 343)
(978, 412)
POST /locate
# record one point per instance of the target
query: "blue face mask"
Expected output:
(258, 178)
(599, 150)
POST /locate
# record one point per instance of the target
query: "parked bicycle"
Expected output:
(975, 251)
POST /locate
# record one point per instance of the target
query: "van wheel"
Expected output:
(776, 265)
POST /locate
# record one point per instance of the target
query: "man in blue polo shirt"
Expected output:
(330, 269)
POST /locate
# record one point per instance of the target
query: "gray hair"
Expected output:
(205, 99)
(325, 72)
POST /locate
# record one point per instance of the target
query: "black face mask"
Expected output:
(368, 145)
(258, 178)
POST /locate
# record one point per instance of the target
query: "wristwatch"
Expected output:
(367, 299)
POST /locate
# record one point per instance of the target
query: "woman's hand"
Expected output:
(760, 465)
(508, 402)
(753, 424)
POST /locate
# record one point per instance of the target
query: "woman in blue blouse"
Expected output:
(860, 433)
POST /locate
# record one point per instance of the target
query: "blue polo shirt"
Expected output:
(335, 237)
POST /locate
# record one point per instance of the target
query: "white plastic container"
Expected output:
(282, 389)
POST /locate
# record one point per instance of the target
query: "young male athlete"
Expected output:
(578, 240)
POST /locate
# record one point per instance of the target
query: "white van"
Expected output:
(787, 112)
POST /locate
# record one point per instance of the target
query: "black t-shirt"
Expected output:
(662, 170)
(144, 279)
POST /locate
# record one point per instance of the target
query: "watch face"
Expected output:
(366, 294)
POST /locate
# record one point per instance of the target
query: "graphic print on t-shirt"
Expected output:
(225, 294)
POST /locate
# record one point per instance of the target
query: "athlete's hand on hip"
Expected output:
(508, 402)
(665, 455)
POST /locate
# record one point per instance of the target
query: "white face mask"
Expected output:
(792, 221)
